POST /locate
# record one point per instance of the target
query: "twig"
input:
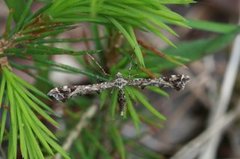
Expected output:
(148, 72)
(3, 59)
(151, 48)
(193, 148)
(98, 65)
(159, 53)
(226, 91)
(73, 135)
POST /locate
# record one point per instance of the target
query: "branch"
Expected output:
(197, 145)
(224, 99)
(73, 135)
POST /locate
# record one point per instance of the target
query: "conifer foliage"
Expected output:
(25, 107)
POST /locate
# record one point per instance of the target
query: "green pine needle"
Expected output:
(26, 129)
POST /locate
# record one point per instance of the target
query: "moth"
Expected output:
(64, 93)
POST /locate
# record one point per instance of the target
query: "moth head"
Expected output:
(59, 93)
(178, 81)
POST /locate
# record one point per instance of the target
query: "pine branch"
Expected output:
(26, 39)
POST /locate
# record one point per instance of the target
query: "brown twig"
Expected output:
(148, 72)
(159, 53)
(115, 42)
(151, 48)
(3, 59)
(89, 57)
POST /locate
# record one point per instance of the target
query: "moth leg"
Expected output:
(122, 102)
